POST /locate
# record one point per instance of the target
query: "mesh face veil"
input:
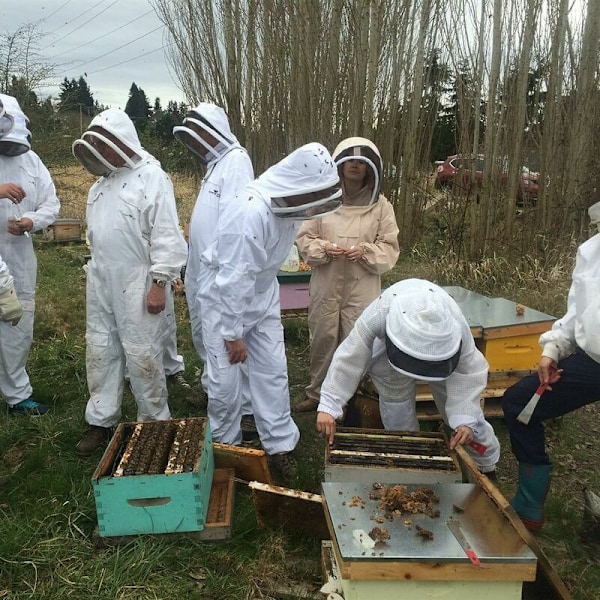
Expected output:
(15, 136)
(308, 206)
(7, 123)
(365, 151)
(423, 339)
(90, 151)
(191, 139)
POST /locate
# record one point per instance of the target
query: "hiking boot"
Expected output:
(179, 379)
(248, 426)
(307, 405)
(285, 464)
(95, 437)
(29, 407)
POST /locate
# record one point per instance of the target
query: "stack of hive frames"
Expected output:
(390, 457)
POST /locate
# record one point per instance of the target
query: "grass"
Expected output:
(47, 511)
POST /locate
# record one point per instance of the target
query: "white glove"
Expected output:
(10, 307)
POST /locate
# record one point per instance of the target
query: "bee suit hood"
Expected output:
(213, 120)
(364, 150)
(91, 149)
(15, 136)
(304, 185)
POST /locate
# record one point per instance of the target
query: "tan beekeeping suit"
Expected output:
(340, 289)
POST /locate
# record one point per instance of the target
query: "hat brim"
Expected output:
(425, 370)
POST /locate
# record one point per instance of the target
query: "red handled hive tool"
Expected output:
(525, 415)
(455, 527)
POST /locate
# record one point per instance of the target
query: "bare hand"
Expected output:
(355, 253)
(155, 303)
(548, 372)
(13, 191)
(20, 226)
(462, 435)
(178, 287)
(238, 352)
(334, 251)
(326, 426)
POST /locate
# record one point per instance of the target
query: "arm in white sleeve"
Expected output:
(6, 280)
(466, 384)
(242, 255)
(168, 250)
(237, 173)
(47, 204)
(352, 359)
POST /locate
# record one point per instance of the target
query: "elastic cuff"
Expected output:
(551, 351)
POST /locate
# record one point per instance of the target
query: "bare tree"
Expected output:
(291, 71)
(20, 58)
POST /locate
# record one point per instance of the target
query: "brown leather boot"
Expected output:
(95, 437)
(308, 405)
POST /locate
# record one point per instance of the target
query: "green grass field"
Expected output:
(47, 510)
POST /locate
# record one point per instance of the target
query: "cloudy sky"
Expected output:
(112, 43)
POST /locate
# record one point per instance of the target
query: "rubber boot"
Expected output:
(534, 482)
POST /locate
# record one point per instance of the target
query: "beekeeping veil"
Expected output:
(358, 148)
(109, 143)
(304, 185)
(423, 340)
(211, 119)
(15, 137)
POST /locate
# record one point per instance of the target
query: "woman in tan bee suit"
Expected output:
(347, 252)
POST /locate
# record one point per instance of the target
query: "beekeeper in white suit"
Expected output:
(10, 308)
(205, 131)
(414, 332)
(254, 240)
(28, 203)
(137, 250)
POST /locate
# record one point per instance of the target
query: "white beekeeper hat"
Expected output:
(423, 339)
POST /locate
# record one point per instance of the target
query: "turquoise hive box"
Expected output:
(155, 477)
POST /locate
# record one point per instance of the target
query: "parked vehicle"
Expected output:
(458, 170)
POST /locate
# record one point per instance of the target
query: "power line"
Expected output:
(87, 43)
(85, 12)
(130, 59)
(53, 13)
(87, 62)
(82, 25)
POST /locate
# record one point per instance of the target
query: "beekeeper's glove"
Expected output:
(10, 307)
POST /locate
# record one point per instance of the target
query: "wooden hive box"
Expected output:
(65, 230)
(175, 499)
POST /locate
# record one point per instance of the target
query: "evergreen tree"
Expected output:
(76, 95)
(138, 107)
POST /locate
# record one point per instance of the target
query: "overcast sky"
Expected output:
(112, 43)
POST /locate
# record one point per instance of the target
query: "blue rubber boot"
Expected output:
(534, 482)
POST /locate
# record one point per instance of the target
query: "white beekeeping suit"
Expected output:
(137, 249)
(34, 207)
(253, 243)
(414, 331)
(207, 134)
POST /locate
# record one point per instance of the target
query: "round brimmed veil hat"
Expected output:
(423, 339)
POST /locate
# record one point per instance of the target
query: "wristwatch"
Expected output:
(160, 282)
